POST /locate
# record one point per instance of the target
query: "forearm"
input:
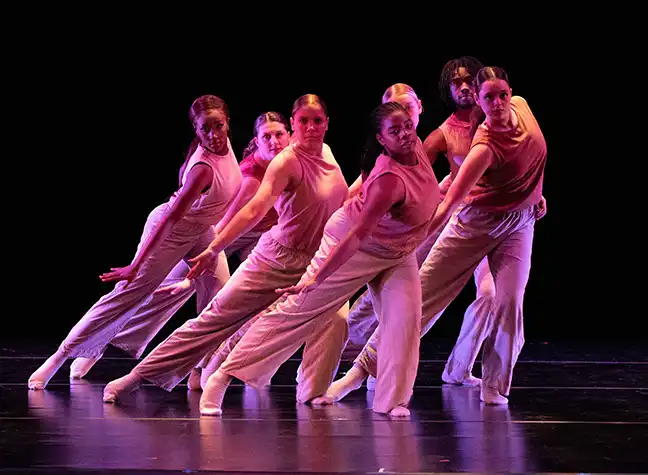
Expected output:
(338, 256)
(248, 217)
(355, 188)
(232, 211)
(441, 215)
(478, 160)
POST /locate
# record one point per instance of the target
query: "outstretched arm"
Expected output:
(385, 192)
(476, 163)
(198, 178)
(283, 172)
(434, 144)
(246, 192)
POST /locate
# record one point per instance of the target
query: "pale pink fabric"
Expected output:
(159, 308)
(312, 320)
(362, 320)
(515, 180)
(470, 235)
(211, 205)
(492, 226)
(249, 291)
(464, 354)
(457, 136)
(405, 226)
(303, 212)
(274, 263)
(190, 236)
(384, 261)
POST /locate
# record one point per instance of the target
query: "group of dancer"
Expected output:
(308, 243)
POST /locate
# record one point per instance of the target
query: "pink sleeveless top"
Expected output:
(211, 205)
(514, 181)
(404, 227)
(304, 210)
(457, 137)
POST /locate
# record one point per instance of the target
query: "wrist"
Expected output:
(137, 263)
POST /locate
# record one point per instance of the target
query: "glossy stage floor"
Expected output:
(573, 408)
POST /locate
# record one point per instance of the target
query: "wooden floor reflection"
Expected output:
(564, 416)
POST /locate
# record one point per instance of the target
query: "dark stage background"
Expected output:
(102, 129)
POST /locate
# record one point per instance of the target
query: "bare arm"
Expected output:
(283, 172)
(385, 192)
(476, 163)
(434, 144)
(198, 178)
(248, 189)
(355, 188)
(541, 208)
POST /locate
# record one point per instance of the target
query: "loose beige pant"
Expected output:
(506, 239)
(311, 319)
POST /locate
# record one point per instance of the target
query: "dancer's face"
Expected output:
(309, 124)
(495, 99)
(462, 89)
(411, 104)
(271, 139)
(397, 133)
(211, 129)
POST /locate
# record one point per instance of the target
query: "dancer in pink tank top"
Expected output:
(306, 185)
(452, 138)
(370, 240)
(271, 136)
(501, 182)
(176, 230)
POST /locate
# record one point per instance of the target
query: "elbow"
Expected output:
(254, 211)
